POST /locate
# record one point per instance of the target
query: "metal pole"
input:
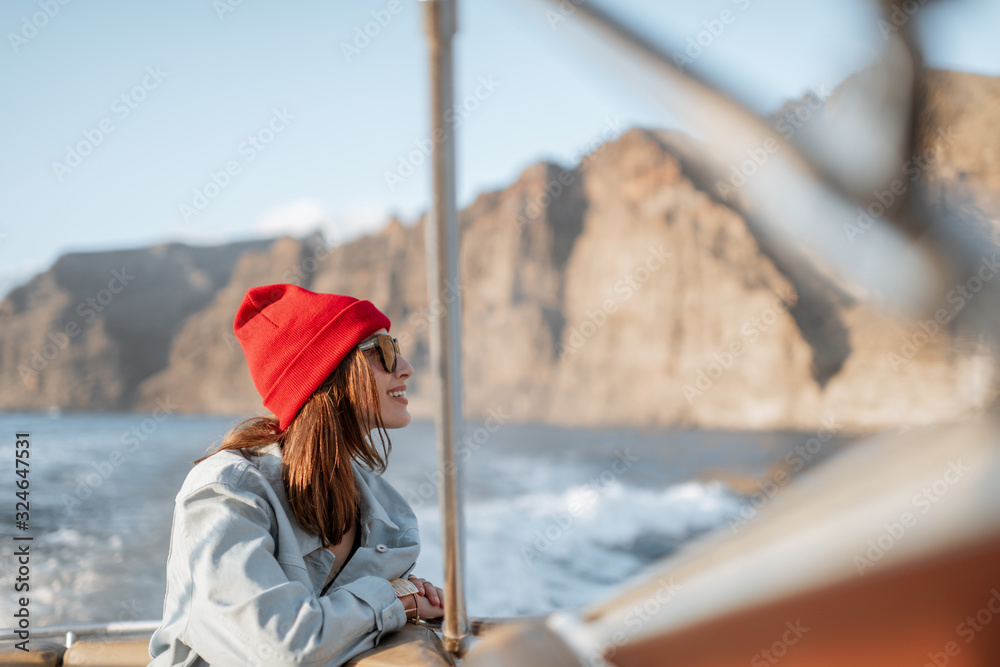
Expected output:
(445, 341)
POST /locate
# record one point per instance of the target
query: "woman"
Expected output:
(287, 546)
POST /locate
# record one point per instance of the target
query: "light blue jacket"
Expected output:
(244, 580)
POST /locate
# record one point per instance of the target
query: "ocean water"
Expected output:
(554, 517)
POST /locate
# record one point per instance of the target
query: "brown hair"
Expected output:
(318, 446)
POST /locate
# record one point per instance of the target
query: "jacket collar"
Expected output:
(370, 508)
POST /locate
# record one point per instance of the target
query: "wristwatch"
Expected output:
(404, 587)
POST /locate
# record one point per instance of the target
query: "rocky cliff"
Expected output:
(617, 291)
(88, 332)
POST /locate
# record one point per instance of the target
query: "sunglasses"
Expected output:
(387, 348)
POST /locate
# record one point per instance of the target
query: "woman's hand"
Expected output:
(430, 600)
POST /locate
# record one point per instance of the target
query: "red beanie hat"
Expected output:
(293, 339)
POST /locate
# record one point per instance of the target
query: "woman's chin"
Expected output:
(395, 421)
(401, 421)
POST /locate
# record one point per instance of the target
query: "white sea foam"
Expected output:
(542, 551)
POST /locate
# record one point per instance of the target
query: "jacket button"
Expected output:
(381, 548)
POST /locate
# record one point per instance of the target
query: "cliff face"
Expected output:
(964, 187)
(86, 333)
(615, 292)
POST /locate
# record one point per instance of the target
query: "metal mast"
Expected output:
(445, 340)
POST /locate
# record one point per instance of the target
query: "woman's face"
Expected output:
(389, 386)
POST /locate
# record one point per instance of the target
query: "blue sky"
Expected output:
(165, 96)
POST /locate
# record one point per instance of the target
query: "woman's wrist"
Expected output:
(410, 605)
(407, 591)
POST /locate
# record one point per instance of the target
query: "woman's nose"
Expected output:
(403, 367)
